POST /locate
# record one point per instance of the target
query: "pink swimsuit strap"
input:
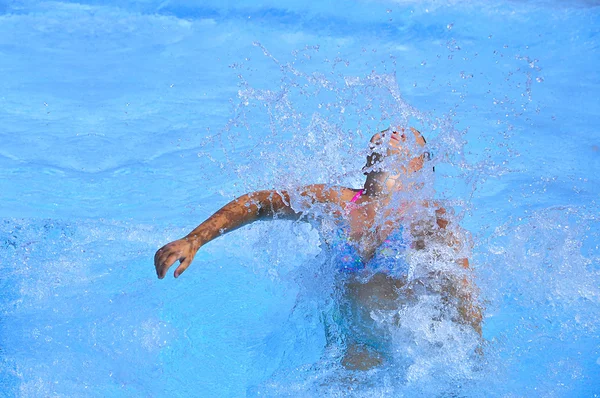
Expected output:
(357, 196)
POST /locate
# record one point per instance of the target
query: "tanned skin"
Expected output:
(364, 230)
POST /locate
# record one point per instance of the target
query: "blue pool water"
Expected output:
(126, 125)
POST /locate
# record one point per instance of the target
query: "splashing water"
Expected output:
(432, 354)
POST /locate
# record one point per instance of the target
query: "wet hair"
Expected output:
(374, 157)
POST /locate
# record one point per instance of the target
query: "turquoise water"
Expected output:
(126, 125)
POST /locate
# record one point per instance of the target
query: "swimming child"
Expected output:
(373, 234)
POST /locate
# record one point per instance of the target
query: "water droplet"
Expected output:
(539, 79)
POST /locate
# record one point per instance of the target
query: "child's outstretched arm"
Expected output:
(246, 209)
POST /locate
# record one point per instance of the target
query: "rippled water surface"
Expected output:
(126, 125)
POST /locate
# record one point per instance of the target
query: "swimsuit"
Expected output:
(349, 321)
(389, 258)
